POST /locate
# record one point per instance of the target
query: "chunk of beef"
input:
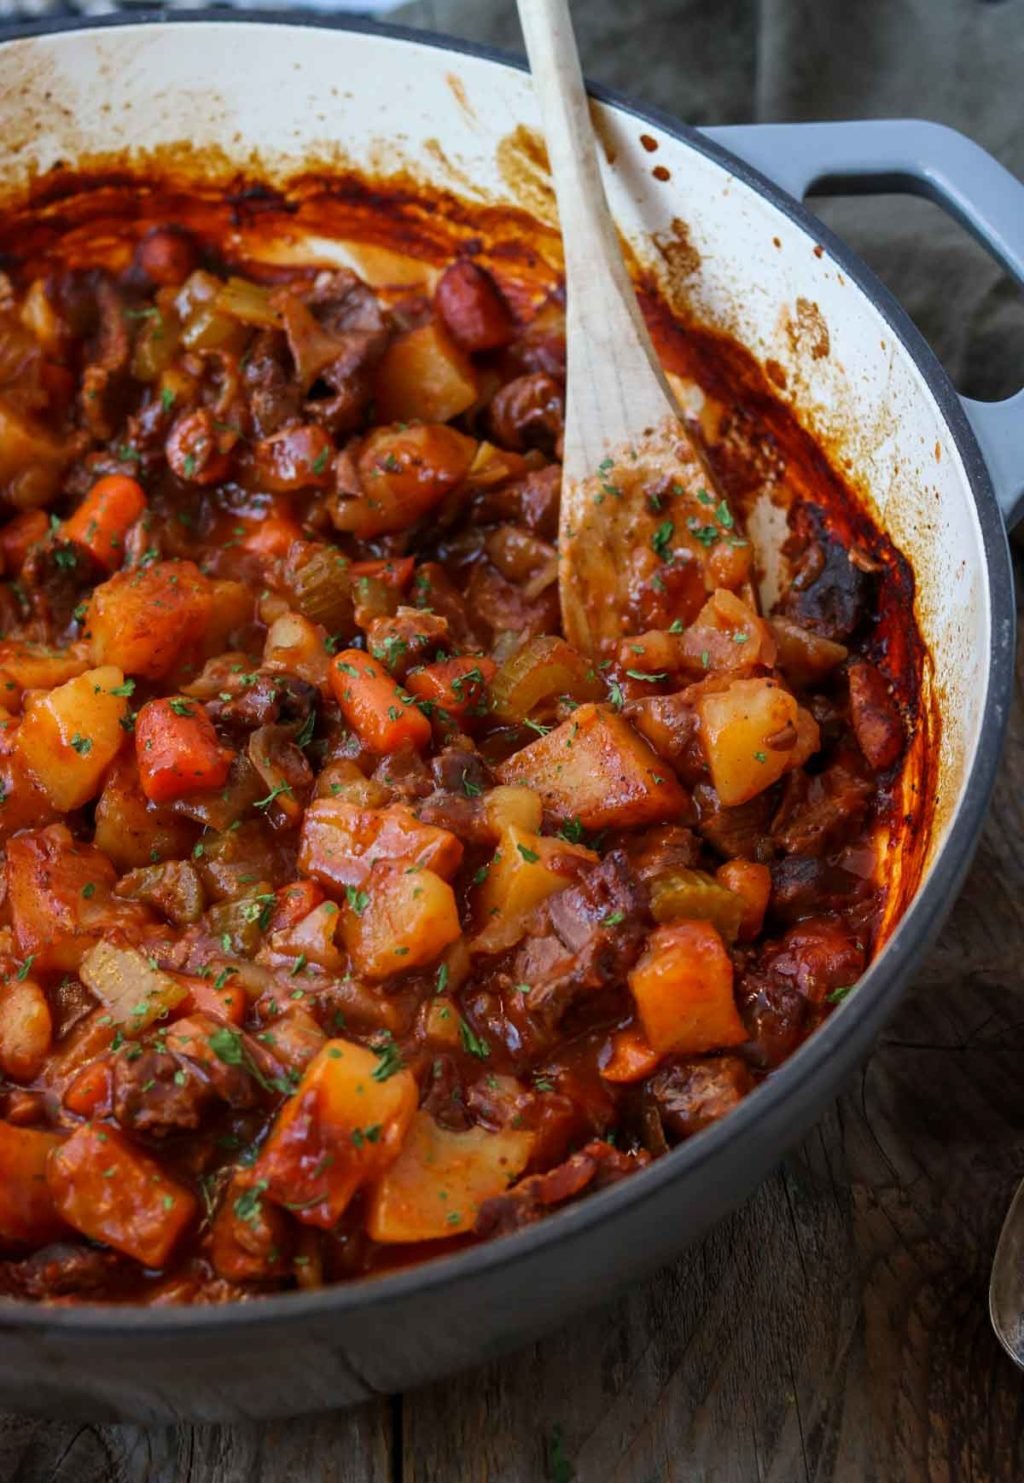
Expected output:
(465, 817)
(157, 1093)
(457, 803)
(738, 833)
(407, 638)
(582, 939)
(877, 723)
(64, 1270)
(345, 309)
(788, 986)
(57, 575)
(819, 813)
(104, 378)
(436, 592)
(831, 594)
(529, 412)
(269, 695)
(669, 722)
(444, 1098)
(275, 397)
(804, 886)
(665, 847)
(691, 1095)
(459, 770)
(504, 607)
(532, 501)
(595, 1166)
(199, 1040)
(406, 774)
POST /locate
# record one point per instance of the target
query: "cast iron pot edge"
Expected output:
(781, 1108)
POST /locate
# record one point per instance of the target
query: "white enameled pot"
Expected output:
(271, 93)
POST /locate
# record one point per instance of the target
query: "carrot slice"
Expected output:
(394, 571)
(382, 715)
(632, 1056)
(752, 883)
(458, 686)
(178, 750)
(272, 535)
(104, 517)
(294, 903)
(223, 997)
(89, 1091)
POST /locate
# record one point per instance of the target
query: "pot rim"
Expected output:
(878, 991)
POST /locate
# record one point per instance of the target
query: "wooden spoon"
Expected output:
(641, 518)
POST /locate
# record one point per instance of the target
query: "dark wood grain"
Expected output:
(835, 1329)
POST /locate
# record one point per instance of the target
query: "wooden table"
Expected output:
(835, 1328)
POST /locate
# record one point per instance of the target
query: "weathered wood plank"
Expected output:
(343, 1447)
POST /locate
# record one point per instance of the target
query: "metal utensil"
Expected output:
(1006, 1285)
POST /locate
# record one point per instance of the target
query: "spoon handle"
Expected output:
(615, 385)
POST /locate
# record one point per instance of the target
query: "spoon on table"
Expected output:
(1006, 1286)
(639, 503)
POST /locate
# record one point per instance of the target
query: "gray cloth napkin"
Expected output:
(960, 62)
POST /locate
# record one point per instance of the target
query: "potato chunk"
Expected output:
(749, 733)
(425, 377)
(399, 920)
(342, 1128)
(26, 1029)
(594, 767)
(440, 1179)
(525, 870)
(340, 842)
(70, 736)
(683, 991)
(146, 620)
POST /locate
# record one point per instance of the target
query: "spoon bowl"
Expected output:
(1006, 1285)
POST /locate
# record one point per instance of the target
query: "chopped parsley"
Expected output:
(661, 540)
(471, 1041)
(357, 900)
(389, 1057)
(249, 1205)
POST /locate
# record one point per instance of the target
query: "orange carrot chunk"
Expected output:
(381, 714)
(111, 1191)
(104, 517)
(27, 1213)
(752, 883)
(458, 686)
(88, 1093)
(631, 1057)
(683, 991)
(178, 750)
(394, 571)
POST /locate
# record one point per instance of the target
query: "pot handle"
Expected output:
(925, 159)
